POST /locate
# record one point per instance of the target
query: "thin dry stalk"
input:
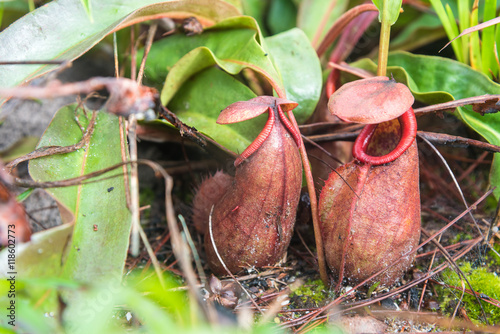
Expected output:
(309, 317)
(306, 319)
(314, 206)
(115, 55)
(196, 257)
(475, 100)
(278, 302)
(429, 269)
(344, 67)
(456, 141)
(52, 150)
(472, 167)
(179, 247)
(443, 160)
(147, 47)
(134, 187)
(152, 256)
(459, 272)
(123, 152)
(133, 54)
(436, 319)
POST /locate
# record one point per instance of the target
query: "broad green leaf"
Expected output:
(234, 44)
(61, 30)
(99, 251)
(418, 32)
(300, 70)
(41, 256)
(236, 3)
(435, 80)
(200, 100)
(315, 17)
(38, 259)
(389, 9)
(282, 16)
(258, 10)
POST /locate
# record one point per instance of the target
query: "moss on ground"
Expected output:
(313, 293)
(485, 283)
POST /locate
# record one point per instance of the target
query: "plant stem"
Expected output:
(340, 24)
(385, 35)
(314, 207)
(312, 193)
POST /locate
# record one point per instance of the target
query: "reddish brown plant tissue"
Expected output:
(14, 228)
(252, 222)
(208, 193)
(370, 214)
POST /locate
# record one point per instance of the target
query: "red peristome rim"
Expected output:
(409, 126)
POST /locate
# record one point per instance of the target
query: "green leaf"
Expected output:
(61, 30)
(234, 44)
(99, 251)
(20, 148)
(200, 100)
(41, 256)
(418, 32)
(449, 25)
(88, 8)
(25, 194)
(39, 259)
(258, 10)
(300, 70)
(436, 80)
(392, 10)
(315, 17)
(1, 12)
(153, 316)
(463, 22)
(282, 16)
(490, 66)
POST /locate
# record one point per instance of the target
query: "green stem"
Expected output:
(385, 35)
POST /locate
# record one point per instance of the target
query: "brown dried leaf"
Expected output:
(487, 107)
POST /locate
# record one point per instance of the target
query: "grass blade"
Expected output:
(490, 66)
(463, 22)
